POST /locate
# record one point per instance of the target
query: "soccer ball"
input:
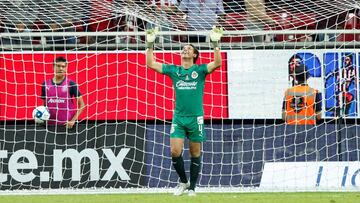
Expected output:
(41, 114)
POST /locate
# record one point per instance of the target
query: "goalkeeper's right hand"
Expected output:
(215, 35)
(151, 36)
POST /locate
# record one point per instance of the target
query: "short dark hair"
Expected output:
(60, 59)
(196, 51)
(349, 56)
(301, 74)
(295, 56)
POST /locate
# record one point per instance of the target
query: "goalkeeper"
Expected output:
(188, 120)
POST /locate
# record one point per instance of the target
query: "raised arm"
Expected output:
(217, 61)
(215, 36)
(150, 60)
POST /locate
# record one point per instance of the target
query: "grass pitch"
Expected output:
(314, 197)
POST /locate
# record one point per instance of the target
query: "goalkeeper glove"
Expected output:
(151, 36)
(215, 36)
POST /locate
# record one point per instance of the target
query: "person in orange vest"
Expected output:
(302, 104)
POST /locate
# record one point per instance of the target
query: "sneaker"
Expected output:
(181, 188)
(191, 193)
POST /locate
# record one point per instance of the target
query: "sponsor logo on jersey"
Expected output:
(182, 85)
(194, 74)
(64, 88)
(56, 101)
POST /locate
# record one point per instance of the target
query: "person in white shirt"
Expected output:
(201, 15)
(167, 9)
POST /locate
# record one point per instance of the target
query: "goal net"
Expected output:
(122, 137)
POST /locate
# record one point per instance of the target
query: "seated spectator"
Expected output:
(101, 14)
(257, 18)
(233, 6)
(20, 27)
(68, 26)
(201, 15)
(38, 26)
(331, 21)
(2, 26)
(129, 22)
(61, 27)
(55, 27)
(80, 26)
(167, 9)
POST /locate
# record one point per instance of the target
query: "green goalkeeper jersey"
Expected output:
(189, 88)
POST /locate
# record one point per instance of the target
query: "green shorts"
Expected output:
(191, 127)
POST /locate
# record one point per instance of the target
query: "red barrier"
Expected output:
(115, 86)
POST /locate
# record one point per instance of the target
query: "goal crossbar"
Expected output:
(239, 33)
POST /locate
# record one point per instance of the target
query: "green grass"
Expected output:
(316, 197)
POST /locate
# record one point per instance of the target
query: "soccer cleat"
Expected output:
(191, 193)
(181, 188)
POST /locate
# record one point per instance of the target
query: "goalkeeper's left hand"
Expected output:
(215, 35)
(151, 36)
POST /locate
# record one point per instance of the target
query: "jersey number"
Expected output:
(297, 104)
